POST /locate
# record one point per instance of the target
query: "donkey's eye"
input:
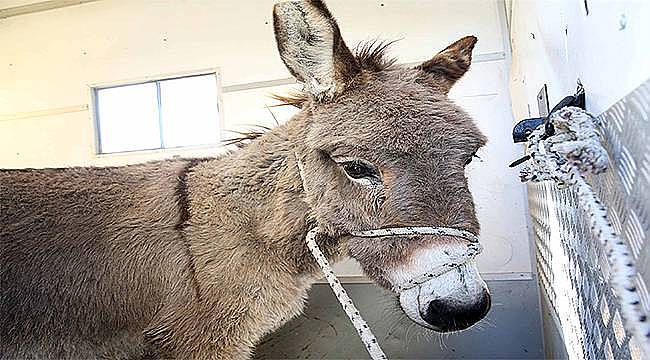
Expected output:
(469, 159)
(359, 170)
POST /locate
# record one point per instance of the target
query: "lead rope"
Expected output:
(367, 337)
(566, 158)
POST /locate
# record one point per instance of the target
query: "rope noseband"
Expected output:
(473, 248)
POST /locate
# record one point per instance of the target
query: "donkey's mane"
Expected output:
(244, 138)
(370, 55)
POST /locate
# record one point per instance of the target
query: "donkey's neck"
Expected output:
(272, 177)
(246, 232)
(262, 197)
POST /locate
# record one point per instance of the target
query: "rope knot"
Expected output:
(575, 147)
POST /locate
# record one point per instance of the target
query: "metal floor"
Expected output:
(512, 330)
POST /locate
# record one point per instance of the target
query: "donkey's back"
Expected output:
(87, 257)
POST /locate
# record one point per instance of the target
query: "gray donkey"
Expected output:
(200, 258)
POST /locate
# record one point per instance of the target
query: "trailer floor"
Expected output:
(512, 329)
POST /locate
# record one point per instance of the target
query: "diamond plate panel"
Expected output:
(572, 266)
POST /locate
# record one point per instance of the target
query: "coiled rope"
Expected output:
(566, 158)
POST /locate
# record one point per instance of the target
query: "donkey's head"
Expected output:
(382, 146)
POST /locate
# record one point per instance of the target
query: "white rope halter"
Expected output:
(367, 337)
(566, 158)
(473, 249)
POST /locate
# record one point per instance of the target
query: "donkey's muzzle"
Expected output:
(447, 315)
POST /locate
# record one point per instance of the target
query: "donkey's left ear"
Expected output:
(452, 63)
(311, 46)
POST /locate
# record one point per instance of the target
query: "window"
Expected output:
(159, 114)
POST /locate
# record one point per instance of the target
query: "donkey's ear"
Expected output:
(311, 47)
(452, 63)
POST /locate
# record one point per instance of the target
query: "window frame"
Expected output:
(94, 110)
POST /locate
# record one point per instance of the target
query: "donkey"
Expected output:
(200, 258)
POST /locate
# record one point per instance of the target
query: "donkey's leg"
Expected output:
(193, 334)
(225, 326)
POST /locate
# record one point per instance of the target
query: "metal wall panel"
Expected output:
(572, 265)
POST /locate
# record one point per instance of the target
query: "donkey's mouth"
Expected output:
(453, 301)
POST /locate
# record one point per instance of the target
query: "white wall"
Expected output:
(48, 59)
(556, 42)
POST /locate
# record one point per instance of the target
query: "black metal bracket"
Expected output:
(524, 128)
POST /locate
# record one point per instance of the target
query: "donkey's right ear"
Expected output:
(310, 44)
(452, 63)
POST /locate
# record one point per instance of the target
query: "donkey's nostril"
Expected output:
(439, 314)
(445, 315)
